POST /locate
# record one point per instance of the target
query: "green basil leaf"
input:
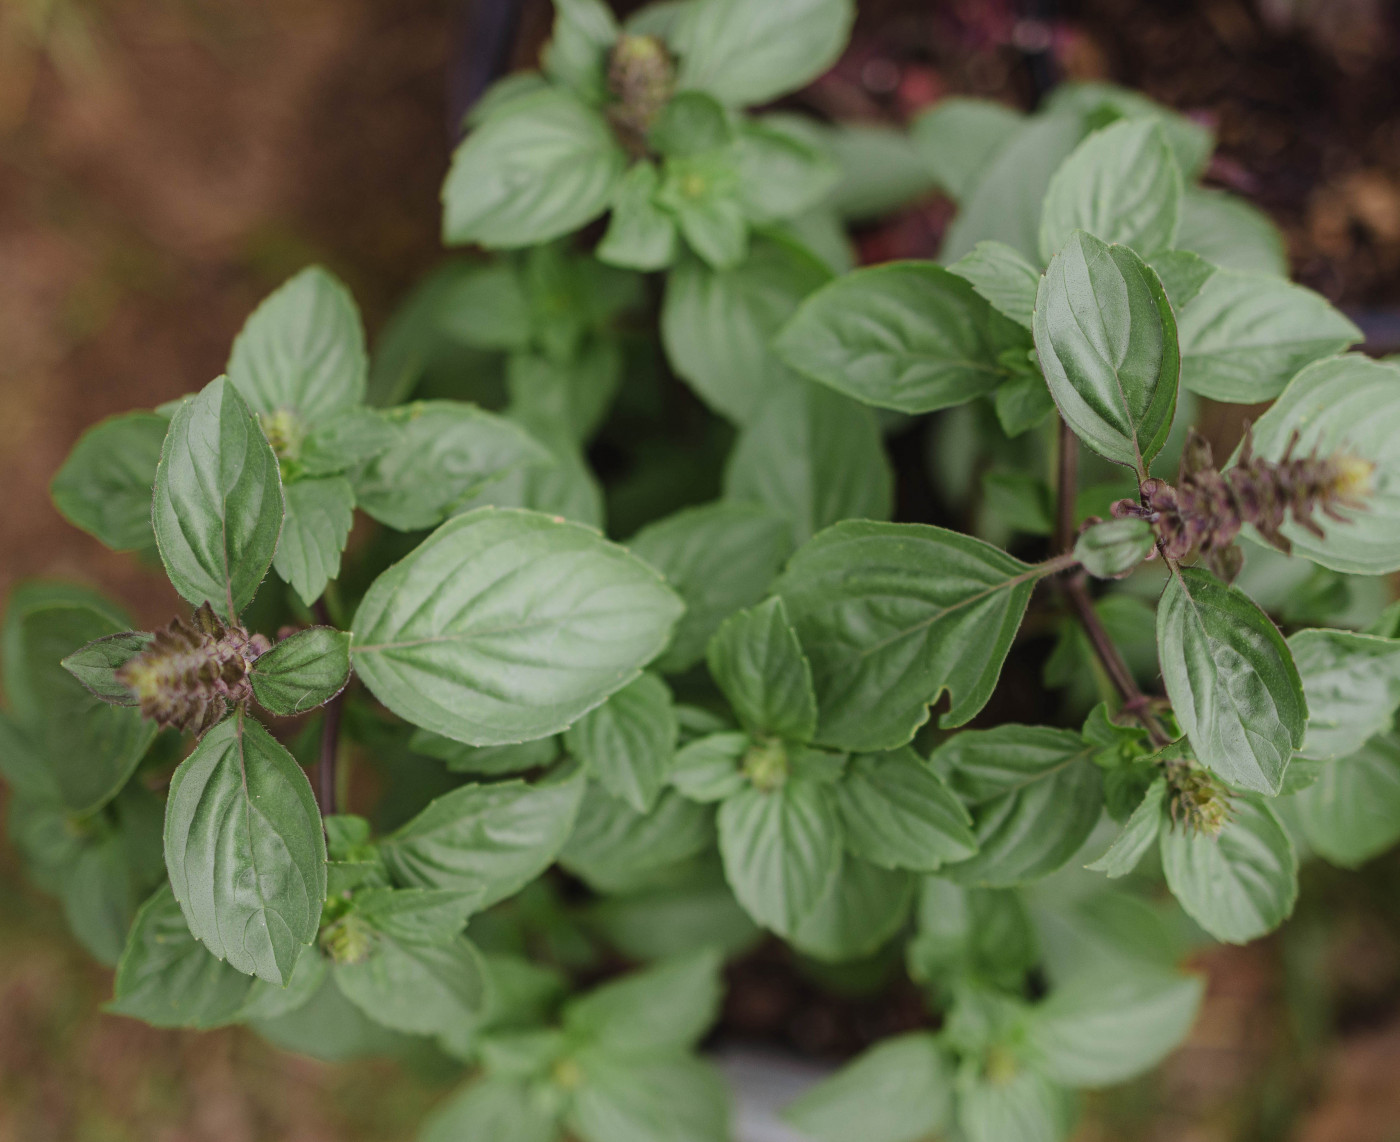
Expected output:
(719, 557)
(1239, 885)
(781, 175)
(1026, 1107)
(345, 441)
(1352, 686)
(539, 167)
(891, 615)
(1033, 829)
(82, 750)
(577, 53)
(813, 456)
(716, 325)
(691, 124)
(1107, 343)
(640, 235)
(489, 760)
(629, 742)
(781, 850)
(1138, 835)
(576, 616)
(314, 532)
(1095, 1032)
(1231, 680)
(501, 1109)
(881, 169)
(217, 505)
(104, 487)
(1022, 403)
(708, 769)
(1182, 275)
(414, 915)
(443, 453)
(485, 840)
(1002, 201)
(302, 351)
(167, 978)
(862, 909)
(625, 1099)
(666, 1007)
(1111, 549)
(1230, 232)
(982, 765)
(957, 138)
(702, 192)
(1352, 812)
(678, 914)
(1245, 335)
(420, 989)
(615, 848)
(576, 395)
(900, 1090)
(1103, 103)
(1003, 277)
(908, 336)
(273, 1001)
(1122, 185)
(303, 671)
(756, 660)
(897, 813)
(245, 851)
(751, 53)
(96, 664)
(979, 932)
(1350, 404)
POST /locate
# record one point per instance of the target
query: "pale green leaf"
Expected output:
(665, 1007)
(420, 989)
(1230, 232)
(1352, 812)
(1003, 277)
(104, 487)
(1138, 835)
(503, 1110)
(314, 532)
(957, 138)
(756, 660)
(897, 813)
(1352, 686)
(629, 742)
(624, 1099)
(862, 909)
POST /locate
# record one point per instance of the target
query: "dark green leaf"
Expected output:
(104, 487)
(218, 500)
(302, 671)
(640, 235)
(575, 617)
(719, 557)
(982, 765)
(1348, 405)
(1107, 343)
(540, 166)
(781, 850)
(485, 840)
(716, 325)
(1239, 885)
(245, 851)
(745, 53)
(702, 193)
(756, 660)
(74, 746)
(302, 351)
(891, 615)
(708, 768)
(314, 531)
(1111, 549)
(1122, 185)
(900, 1090)
(443, 454)
(813, 456)
(691, 124)
(96, 664)
(629, 742)
(1231, 680)
(1138, 835)
(897, 812)
(909, 336)
(1245, 335)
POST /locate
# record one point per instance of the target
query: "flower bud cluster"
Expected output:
(190, 672)
(641, 76)
(1207, 508)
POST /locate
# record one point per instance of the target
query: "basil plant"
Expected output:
(561, 780)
